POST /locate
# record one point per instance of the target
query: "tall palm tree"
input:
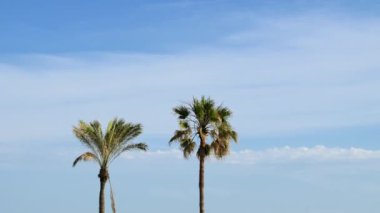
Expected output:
(202, 121)
(105, 147)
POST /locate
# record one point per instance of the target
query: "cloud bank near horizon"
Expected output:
(275, 156)
(286, 154)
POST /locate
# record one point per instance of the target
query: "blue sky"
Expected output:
(302, 78)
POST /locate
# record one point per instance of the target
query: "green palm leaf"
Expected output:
(85, 157)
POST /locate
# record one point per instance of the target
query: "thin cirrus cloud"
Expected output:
(299, 78)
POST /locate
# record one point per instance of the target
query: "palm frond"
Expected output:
(128, 132)
(137, 146)
(224, 113)
(220, 148)
(184, 124)
(187, 146)
(123, 134)
(110, 130)
(205, 151)
(180, 134)
(84, 132)
(85, 157)
(234, 136)
(208, 105)
(198, 111)
(182, 112)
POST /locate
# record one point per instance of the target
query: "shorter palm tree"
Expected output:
(202, 121)
(105, 147)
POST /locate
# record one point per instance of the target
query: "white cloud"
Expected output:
(317, 153)
(154, 155)
(285, 154)
(311, 78)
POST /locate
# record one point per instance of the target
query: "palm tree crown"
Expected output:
(105, 147)
(202, 119)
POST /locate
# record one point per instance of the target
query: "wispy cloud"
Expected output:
(291, 154)
(154, 155)
(311, 78)
(285, 154)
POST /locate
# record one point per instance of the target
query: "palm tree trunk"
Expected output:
(103, 176)
(201, 183)
(101, 196)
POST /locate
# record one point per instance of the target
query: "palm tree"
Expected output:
(201, 121)
(105, 147)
